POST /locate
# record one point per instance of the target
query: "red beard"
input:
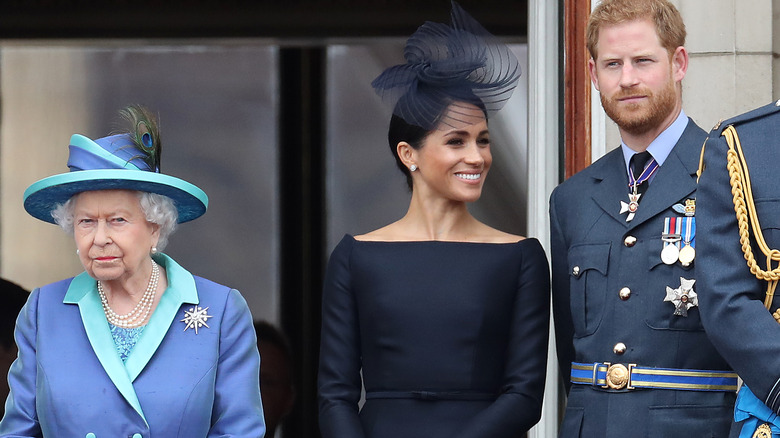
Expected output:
(641, 117)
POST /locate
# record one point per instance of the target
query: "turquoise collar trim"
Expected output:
(83, 289)
(83, 292)
(181, 283)
(181, 289)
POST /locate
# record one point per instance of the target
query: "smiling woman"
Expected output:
(453, 161)
(445, 317)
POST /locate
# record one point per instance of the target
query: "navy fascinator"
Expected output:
(447, 65)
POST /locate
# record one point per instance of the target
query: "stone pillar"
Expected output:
(730, 43)
(775, 37)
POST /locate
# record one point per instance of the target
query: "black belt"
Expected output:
(432, 395)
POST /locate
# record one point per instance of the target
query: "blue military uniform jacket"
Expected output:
(609, 285)
(70, 382)
(733, 311)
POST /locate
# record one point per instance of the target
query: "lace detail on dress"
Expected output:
(125, 339)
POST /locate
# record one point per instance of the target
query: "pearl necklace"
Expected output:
(138, 315)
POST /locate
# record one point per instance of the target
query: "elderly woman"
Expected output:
(443, 319)
(135, 346)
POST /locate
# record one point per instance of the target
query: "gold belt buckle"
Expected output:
(763, 431)
(619, 376)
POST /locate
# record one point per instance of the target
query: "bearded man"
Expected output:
(634, 356)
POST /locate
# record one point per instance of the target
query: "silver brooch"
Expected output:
(683, 298)
(195, 318)
(632, 206)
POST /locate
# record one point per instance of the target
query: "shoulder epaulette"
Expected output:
(757, 113)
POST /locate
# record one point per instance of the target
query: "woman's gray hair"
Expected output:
(158, 209)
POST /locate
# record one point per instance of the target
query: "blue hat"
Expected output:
(110, 163)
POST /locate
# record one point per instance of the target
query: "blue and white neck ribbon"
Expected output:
(649, 170)
(754, 413)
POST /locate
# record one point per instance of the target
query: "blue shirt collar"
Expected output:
(662, 146)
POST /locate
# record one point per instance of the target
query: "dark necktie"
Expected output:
(637, 166)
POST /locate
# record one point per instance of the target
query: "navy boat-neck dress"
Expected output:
(450, 338)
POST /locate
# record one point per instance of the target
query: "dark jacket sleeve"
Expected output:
(730, 297)
(564, 327)
(339, 383)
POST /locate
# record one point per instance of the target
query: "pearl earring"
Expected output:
(154, 250)
(413, 167)
(78, 251)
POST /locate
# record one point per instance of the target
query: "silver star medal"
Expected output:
(631, 207)
(195, 318)
(683, 297)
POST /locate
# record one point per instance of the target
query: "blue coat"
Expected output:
(596, 254)
(69, 381)
(733, 311)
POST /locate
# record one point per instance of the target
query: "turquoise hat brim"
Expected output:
(44, 195)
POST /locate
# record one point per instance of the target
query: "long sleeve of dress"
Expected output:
(237, 409)
(519, 405)
(20, 418)
(339, 382)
